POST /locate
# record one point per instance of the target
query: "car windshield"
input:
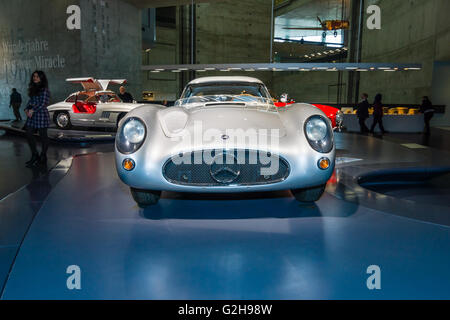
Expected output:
(234, 92)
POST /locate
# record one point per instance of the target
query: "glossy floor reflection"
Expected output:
(438, 138)
(244, 246)
(14, 152)
(76, 134)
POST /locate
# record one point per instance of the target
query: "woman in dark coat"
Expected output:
(427, 109)
(377, 114)
(38, 118)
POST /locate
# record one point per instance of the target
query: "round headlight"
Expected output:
(131, 135)
(319, 133)
(316, 129)
(134, 131)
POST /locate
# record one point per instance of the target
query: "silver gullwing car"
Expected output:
(95, 106)
(225, 135)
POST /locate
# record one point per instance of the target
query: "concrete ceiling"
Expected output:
(303, 13)
(164, 3)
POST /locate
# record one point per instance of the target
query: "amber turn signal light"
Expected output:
(128, 164)
(324, 163)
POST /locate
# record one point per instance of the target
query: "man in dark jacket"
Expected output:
(15, 101)
(427, 109)
(363, 112)
(125, 96)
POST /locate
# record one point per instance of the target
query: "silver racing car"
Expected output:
(225, 135)
(94, 106)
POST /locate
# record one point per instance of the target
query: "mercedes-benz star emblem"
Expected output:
(224, 172)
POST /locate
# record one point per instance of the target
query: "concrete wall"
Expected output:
(111, 42)
(112, 51)
(411, 31)
(31, 22)
(441, 91)
(233, 31)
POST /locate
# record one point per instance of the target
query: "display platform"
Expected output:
(391, 123)
(236, 246)
(80, 135)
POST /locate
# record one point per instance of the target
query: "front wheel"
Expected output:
(308, 194)
(145, 198)
(62, 120)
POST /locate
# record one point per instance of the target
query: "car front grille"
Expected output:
(225, 167)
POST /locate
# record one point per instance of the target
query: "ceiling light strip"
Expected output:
(286, 67)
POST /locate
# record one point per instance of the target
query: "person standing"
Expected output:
(378, 114)
(15, 101)
(38, 118)
(363, 112)
(427, 109)
(125, 96)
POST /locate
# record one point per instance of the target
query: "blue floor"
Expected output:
(243, 246)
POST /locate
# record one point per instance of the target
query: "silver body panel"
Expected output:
(164, 124)
(105, 116)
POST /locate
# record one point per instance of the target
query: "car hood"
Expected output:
(223, 118)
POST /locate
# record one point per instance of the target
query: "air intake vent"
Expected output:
(211, 168)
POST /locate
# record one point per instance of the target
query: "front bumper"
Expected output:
(150, 174)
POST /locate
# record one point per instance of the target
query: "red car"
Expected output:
(334, 114)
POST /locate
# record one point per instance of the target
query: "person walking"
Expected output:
(363, 112)
(15, 101)
(427, 109)
(38, 118)
(378, 114)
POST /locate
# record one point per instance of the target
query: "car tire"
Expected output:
(145, 198)
(308, 194)
(62, 120)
